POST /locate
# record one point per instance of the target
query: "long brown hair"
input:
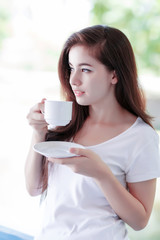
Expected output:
(112, 48)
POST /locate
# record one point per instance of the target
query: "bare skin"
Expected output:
(33, 164)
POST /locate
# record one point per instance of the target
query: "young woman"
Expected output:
(113, 180)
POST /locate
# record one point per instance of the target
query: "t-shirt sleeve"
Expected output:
(146, 163)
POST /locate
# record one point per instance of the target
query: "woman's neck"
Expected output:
(107, 113)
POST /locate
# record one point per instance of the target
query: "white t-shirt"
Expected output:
(75, 207)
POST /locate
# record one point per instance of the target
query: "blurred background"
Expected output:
(32, 33)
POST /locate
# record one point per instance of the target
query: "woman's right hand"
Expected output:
(36, 119)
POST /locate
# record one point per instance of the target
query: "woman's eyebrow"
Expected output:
(82, 64)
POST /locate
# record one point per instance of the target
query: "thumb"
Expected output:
(42, 105)
(43, 99)
(81, 151)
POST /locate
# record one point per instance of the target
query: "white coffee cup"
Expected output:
(57, 113)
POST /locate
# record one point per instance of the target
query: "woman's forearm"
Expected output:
(126, 206)
(33, 168)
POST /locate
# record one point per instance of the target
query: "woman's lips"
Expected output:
(78, 93)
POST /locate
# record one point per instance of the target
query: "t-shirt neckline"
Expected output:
(116, 137)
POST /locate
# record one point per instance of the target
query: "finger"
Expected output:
(36, 119)
(43, 100)
(57, 160)
(42, 105)
(37, 107)
(81, 151)
(39, 128)
(65, 161)
(38, 123)
(37, 116)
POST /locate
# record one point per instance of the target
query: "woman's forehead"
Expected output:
(83, 52)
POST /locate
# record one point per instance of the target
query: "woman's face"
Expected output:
(90, 80)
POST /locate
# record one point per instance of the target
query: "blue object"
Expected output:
(10, 234)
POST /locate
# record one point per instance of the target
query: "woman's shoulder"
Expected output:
(144, 130)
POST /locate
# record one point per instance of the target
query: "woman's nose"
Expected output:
(75, 79)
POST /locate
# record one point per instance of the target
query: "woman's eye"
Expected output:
(71, 69)
(86, 70)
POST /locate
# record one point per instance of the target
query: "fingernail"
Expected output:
(72, 150)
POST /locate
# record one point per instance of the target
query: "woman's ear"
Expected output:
(114, 78)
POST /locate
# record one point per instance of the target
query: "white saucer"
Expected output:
(56, 149)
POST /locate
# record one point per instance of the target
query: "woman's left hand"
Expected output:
(88, 163)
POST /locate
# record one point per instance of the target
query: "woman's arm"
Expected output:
(33, 165)
(134, 206)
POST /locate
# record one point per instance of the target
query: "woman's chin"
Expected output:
(82, 103)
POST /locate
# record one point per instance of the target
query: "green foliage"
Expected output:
(140, 21)
(4, 27)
